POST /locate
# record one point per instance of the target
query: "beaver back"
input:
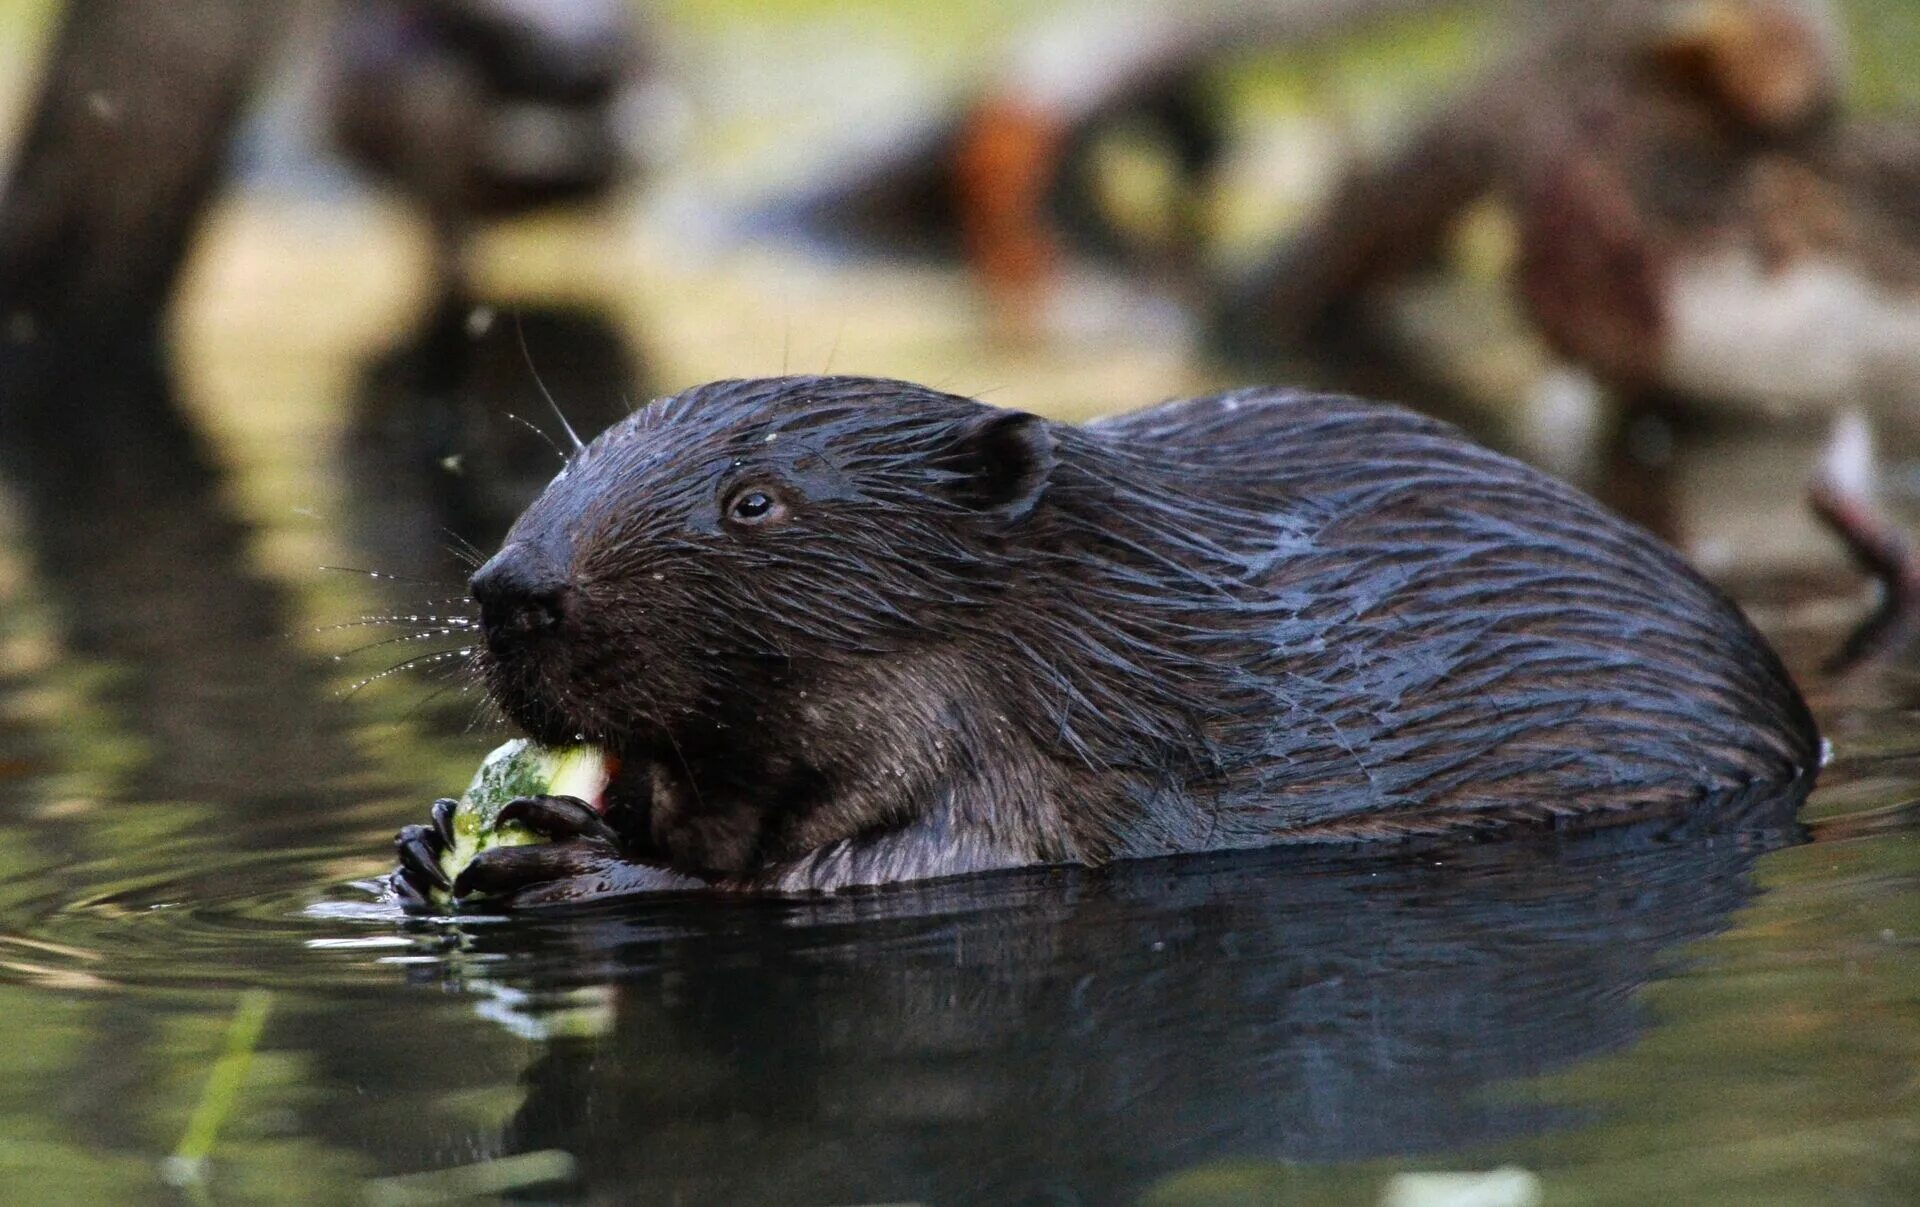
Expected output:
(1434, 633)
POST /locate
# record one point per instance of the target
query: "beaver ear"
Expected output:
(1000, 462)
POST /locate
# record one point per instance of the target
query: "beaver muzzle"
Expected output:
(523, 598)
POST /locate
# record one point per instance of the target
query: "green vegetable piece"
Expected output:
(519, 768)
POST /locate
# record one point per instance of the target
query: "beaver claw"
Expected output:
(419, 849)
(559, 819)
(579, 844)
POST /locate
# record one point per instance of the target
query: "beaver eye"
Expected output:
(753, 507)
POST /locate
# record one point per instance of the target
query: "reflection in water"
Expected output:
(181, 800)
(441, 443)
(135, 542)
(1074, 1037)
(1042, 1035)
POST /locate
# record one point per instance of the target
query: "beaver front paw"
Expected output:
(568, 840)
(419, 879)
(575, 843)
(574, 856)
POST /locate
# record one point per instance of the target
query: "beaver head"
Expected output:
(694, 589)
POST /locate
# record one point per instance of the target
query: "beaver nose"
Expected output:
(521, 595)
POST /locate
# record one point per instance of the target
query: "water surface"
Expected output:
(193, 817)
(195, 806)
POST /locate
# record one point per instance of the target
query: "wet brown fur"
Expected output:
(977, 639)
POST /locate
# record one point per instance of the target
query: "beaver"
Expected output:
(843, 631)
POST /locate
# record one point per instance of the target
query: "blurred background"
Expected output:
(1585, 235)
(283, 288)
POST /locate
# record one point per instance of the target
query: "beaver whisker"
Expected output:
(404, 639)
(451, 685)
(487, 712)
(427, 613)
(429, 660)
(520, 334)
(423, 622)
(397, 578)
(463, 550)
(541, 432)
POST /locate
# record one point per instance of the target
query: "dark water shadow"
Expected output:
(452, 433)
(133, 541)
(1074, 1036)
(201, 731)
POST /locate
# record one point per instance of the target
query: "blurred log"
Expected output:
(136, 106)
(1844, 495)
(1061, 84)
(478, 110)
(1883, 157)
(1632, 143)
(1380, 223)
(1386, 219)
(1680, 181)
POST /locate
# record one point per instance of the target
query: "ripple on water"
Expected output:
(282, 919)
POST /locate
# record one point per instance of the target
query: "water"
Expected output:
(195, 808)
(193, 818)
